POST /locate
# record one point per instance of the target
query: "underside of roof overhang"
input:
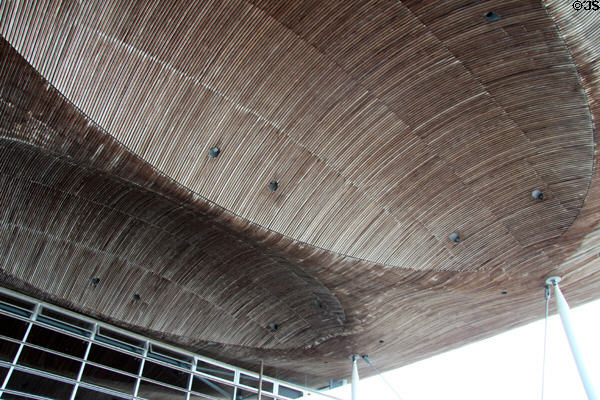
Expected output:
(387, 126)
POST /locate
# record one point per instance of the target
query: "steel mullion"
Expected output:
(236, 381)
(27, 395)
(76, 336)
(126, 333)
(47, 350)
(237, 371)
(74, 358)
(106, 367)
(129, 374)
(141, 370)
(160, 362)
(141, 357)
(75, 327)
(191, 379)
(20, 349)
(84, 361)
(64, 379)
(20, 308)
(118, 349)
(42, 324)
(102, 366)
(165, 385)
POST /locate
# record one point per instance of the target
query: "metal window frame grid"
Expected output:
(38, 309)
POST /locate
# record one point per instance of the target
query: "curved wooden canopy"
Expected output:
(387, 126)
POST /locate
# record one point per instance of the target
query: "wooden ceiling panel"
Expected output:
(460, 121)
(31, 257)
(525, 46)
(232, 91)
(387, 126)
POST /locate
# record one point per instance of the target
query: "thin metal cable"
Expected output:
(366, 358)
(547, 295)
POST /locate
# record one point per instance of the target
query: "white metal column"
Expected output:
(354, 378)
(565, 316)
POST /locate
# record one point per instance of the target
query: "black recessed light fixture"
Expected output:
(273, 185)
(491, 16)
(95, 281)
(273, 326)
(214, 152)
(537, 194)
(454, 237)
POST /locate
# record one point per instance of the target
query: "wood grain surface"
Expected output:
(387, 126)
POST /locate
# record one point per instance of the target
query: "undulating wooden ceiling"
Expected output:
(386, 125)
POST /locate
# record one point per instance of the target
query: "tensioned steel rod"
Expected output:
(565, 316)
(368, 361)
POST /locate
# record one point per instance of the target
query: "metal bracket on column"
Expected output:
(553, 281)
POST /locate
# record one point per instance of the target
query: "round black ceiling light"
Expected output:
(454, 237)
(491, 16)
(537, 194)
(214, 152)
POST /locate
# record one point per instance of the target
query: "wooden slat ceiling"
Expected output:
(387, 126)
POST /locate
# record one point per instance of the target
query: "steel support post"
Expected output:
(354, 377)
(565, 316)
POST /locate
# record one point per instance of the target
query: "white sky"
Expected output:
(507, 366)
